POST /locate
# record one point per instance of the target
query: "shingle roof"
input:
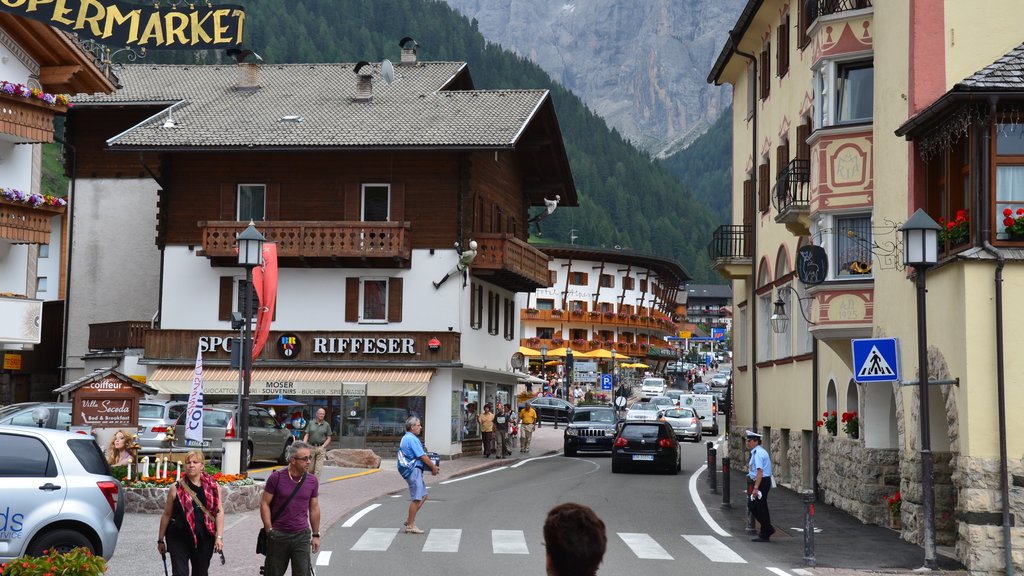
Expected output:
(1006, 73)
(412, 112)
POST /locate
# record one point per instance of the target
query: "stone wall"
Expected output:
(856, 479)
(945, 498)
(979, 519)
(152, 500)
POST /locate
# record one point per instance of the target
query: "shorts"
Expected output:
(417, 488)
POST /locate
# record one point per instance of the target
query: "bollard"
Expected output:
(713, 469)
(751, 529)
(808, 498)
(725, 483)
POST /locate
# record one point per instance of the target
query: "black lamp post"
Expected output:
(920, 251)
(250, 250)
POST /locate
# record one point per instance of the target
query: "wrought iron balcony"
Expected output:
(510, 263)
(826, 7)
(792, 196)
(304, 243)
(730, 251)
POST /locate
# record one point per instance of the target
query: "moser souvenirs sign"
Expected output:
(149, 26)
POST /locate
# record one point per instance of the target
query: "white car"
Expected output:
(652, 387)
(643, 411)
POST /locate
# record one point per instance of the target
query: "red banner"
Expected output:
(264, 281)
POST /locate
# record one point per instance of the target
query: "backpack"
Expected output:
(406, 465)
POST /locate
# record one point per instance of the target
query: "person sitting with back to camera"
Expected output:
(574, 540)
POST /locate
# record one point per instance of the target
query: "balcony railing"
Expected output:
(510, 263)
(27, 119)
(730, 251)
(117, 335)
(826, 7)
(24, 224)
(792, 196)
(625, 320)
(304, 240)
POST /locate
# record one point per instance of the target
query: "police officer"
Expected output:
(759, 471)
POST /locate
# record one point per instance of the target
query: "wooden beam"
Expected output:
(58, 75)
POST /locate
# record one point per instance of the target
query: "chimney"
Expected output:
(248, 79)
(408, 46)
(364, 87)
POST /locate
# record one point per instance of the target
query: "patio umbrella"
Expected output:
(524, 377)
(528, 351)
(552, 362)
(557, 353)
(602, 354)
(640, 365)
(280, 401)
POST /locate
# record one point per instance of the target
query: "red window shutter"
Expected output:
(227, 202)
(395, 300)
(352, 300)
(227, 291)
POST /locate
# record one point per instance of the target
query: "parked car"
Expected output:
(652, 387)
(643, 411)
(58, 417)
(663, 402)
(156, 418)
(646, 445)
(591, 429)
(685, 423)
(58, 494)
(268, 440)
(551, 409)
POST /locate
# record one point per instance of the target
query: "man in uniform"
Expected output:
(318, 435)
(759, 471)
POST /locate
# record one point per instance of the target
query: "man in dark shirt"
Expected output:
(294, 531)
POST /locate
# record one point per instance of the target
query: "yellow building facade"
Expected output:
(849, 115)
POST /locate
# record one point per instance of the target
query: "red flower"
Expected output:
(961, 214)
(1007, 212)
(825, 414)
(1008, 221)
(950, 225)
(1020, 211)
(820, 423)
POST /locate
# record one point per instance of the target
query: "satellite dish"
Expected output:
(387, 71)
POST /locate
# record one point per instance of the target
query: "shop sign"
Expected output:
(354, 388)
(12, 361)
(110, 412)
(289, 346)
(364, 346)
(109, 384)
(212, 343)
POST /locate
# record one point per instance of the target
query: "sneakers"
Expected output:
(413, 530)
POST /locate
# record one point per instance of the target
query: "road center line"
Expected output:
(355, 517)
(478, 474)
(700, 505)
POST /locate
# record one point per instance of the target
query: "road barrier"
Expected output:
(808, 498)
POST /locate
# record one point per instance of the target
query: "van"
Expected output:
(706, 408)
(652, 387)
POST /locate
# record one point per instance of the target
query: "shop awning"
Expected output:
(296, 381)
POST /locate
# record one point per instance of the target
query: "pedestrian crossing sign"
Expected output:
(876, 360)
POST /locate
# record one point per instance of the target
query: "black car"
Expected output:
(591, 429)
(646, 445)
(551, 409)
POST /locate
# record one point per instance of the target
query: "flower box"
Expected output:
(531, 310)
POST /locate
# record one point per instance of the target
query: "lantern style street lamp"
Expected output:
(779, 319)
(250, 250)
(920, 251)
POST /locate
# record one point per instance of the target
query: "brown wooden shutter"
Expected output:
(473, 314)
(397, 203)
(273, 211)
(766, 71)
(352, 300)
(803, 132)
(782, 156)
(748, 204)
(763, 187)
(395, 300)
(352, 202)
(227, 291)
(783, 47)
(227, 202)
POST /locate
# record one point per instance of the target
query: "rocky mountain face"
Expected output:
(641, 65)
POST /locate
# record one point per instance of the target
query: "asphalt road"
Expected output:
(492, 523)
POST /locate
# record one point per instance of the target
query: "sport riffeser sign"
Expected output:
(117, 23)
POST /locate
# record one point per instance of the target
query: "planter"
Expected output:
(895, 521)
(235, 498)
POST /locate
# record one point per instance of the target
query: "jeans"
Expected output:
(288, 547)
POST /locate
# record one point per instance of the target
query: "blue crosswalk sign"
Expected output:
(606, 381)
(876, 360)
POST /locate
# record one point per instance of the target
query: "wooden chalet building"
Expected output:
(365, 187)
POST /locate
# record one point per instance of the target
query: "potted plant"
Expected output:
(579, 342)
(577, 312)
(956, 231)
(533, 340)
(829, 422)
(79, 561)
(895, 504)
(1014, 223)
(609, 315)
(531, 310)
(622, 315)
(557, 342)
(851, 424)
(634, 317)
(556, 312)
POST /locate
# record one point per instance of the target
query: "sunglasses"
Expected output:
(222, 560)
(304, 458)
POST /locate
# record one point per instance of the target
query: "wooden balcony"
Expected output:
(792, 197)
(27, 119)
(24, 224)
(510, 263)
(636, 349)
(118, 335)
(598, 318)
(339, 244)
(730, 251)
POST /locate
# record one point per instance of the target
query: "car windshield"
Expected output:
(211, 418)
(662, 400)
(679, 413)
(151, 411)
(603, 416)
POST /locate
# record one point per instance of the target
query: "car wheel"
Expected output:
(248, 457)
(283, 458)
(714, 431)
(61, 541)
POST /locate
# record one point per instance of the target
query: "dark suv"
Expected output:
(590, 429)
(646, 444)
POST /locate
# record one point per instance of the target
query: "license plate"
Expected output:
(591, 440)
(194, 444)
(647, 457)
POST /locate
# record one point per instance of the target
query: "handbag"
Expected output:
(261, 537)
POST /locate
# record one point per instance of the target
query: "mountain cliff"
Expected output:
(642, 66)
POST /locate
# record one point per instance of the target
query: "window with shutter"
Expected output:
(376, 203)
(748, 202)
(783, 47)
(227, 294)
(395, 300)
(493, 312)
(509, 328)
(766, 71)
(803, 132)
(763, 186)
(245, 290)
(373, 303)
(252, 202)
(476, 306)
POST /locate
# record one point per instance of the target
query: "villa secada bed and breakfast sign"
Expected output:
(115, 23)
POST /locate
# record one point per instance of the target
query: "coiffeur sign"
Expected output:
(122, 24)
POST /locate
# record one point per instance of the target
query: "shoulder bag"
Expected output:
(261, 538)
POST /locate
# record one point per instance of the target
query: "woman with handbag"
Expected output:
(192, 525)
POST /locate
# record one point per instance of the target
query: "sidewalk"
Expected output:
(842, 544)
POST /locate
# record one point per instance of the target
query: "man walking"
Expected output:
(318, 435)
(760, 473)
(527, 419)
(290, 510)
(412, 449)
(501, 423)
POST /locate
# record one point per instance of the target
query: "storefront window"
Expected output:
(385, 415)
(470, 410)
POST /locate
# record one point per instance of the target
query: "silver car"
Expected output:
(685, 422)
(58, 494)
(58, 415)
(156, 419)
(267, 439)
(643, 411)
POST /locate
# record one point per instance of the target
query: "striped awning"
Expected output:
(296, 381)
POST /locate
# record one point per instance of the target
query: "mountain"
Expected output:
(706, 167)
(642, 66)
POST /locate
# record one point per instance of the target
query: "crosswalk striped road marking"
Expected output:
(644, 546)
(443, 540)
(714, 549)
(323, 558)
(376, 539)
(509, 542)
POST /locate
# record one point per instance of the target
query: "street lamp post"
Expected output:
(920, 251)
(568, 372)
(544, 374)
(250, 250)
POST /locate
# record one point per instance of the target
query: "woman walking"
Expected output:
(118, 451)
(193, 520)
